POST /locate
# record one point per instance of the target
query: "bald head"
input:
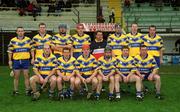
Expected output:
(46, 49)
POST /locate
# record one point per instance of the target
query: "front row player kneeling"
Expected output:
(44, 69)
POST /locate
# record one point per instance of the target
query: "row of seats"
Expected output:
(147, 15)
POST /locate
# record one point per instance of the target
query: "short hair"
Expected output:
(42, 24)
(141, 46)
(19, 27)
(80, 24)
(134, 23)
(98, 32)
(152, 26)
(124, 47)
(66, 49)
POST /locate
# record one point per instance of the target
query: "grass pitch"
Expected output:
(170, 76)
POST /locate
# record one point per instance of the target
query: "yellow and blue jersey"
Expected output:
(38, 43)
(134, 42)
(107, 66)
(45, 65)
(147, 65)
(78, 41)
(87, 66)
(61, 40)
(20, 48)
(67, 67)
(125, 65)
(116, 43)
(153, 44)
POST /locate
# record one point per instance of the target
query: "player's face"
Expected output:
(66, 54)
(99, 36)
(80, 29)
(125, 52)
(143, 51)
(86, 52)
(42, 29)
(62, 30)
(118, 30)
(152, 31)
(20, 32)
(47, 49)
(134, 27)
(108, 54)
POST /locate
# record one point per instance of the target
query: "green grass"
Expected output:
(22, 103)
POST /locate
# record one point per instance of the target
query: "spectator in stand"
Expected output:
(112, 16)
(22, 5)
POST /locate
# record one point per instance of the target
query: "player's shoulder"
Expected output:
(73, 58)
(56, 35)
(36, 36)
(137, 57)
(111, 35)
(119, 57)
(114, 58)
(14, 39)
(80, 57)
(28, 38)
(48, 35)
(53, 57)
(92, 57)
(150, 56)
(158, 37)
(86, 35)
(101, 58)
(60, 58)
(130, 58)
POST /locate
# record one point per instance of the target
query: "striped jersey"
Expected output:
(78, 41)
(87, 66)
(20, 48)
(116, 43)
(45, 65)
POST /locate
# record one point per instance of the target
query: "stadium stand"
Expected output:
(147, 15)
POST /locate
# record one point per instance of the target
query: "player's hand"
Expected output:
(105, 78)
(32, 61)
(150, 78)
(141, 77)
(68, 78)
(65, 78)
(88, 80)
(125, 79)
(161, 61)
(10, 64)
(83, 80)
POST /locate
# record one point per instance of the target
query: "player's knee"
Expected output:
(157, 77)
(72, 80)
(77, 82)
(117, 78)
(59, 80)
(32, 80)
(138, 79)
(95, 81)
(53, 79)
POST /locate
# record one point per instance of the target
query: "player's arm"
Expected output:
(58, 71)
(10, 59)
(36, 72)
(10, 54)
(111, 73)
(161, 51)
